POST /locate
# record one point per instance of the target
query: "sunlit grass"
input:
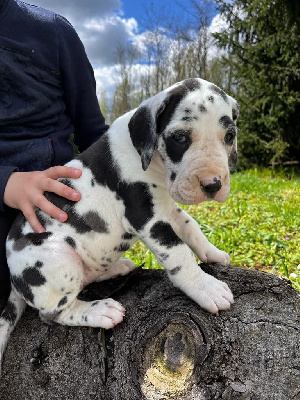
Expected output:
(258, 225)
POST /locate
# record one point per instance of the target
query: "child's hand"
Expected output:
(25, 191)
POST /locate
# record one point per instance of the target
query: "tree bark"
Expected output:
(167, 347)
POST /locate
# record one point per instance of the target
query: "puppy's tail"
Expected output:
(10, 316)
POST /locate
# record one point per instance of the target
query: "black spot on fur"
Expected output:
(122, 247)
(225, 121)
(202, 108)
(232, 161)
(163, 233)
(163, 256)
(179, 210)
(127, 236)
(136, 196)
(93, 182)
(211, 99)
(10, 313)
(95, 222)
(174, 271)
(33, 277)
(190, 118)
(219, 92)
(16, 230)
(71, 242)
(35, 239)
(38, 264)
(173, 176)
(62, 302)
(192, 84)
(22, 287)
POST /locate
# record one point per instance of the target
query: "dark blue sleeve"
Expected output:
(5, 172)
(79, 87)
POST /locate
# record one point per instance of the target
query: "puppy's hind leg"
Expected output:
(57, 299)
(121, 267)
(98, 314)
(10, 316)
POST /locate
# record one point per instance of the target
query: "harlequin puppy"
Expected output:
(177, 146)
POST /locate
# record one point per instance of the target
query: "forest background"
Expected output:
(257, 61)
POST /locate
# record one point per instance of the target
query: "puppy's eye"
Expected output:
(230, 136)
(181, 136)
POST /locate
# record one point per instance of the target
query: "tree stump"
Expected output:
(167, 347)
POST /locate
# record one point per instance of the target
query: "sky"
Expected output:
(102, 25)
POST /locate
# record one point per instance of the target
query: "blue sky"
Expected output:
(103, 25)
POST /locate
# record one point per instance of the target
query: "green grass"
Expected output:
(258, 225)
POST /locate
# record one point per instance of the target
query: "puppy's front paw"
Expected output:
(213, 254)
(212, 295)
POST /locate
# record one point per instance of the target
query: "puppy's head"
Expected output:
(192, 125)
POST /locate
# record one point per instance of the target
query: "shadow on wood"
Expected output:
(167, 347)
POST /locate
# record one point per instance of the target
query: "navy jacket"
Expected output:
(47, 91)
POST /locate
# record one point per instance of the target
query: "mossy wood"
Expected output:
(167, 347)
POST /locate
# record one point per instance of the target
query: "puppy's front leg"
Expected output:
(183, 270)
(189, 231)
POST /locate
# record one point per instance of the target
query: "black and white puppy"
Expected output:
(177, 146)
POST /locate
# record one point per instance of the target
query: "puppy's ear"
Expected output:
(233, 157)
(142, 128)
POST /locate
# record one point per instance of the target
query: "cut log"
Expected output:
(167, 347)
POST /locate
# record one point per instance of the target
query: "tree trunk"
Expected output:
(167, 347)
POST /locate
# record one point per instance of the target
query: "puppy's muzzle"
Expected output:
(211, 185)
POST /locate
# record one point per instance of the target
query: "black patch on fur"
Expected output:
(192, 84)
(136, 196)
(174, 271)
(10, 313)
(62, 301)
(177, 144)
(143, 134)
(163, 233)
(43, 219)
(71, 242)
(93, 182)
(190, 118)
(174, 97)
(38, 264)
(163, 256)
(225, 121)
(211, 99)
(16, 230)
(95, 222)
(219, 92)
(173, 176)
(127, 236)
(35, 239)
(88, 222)
(232, 161)
(202, 108)
(122, 247)
(33, 277)
(22, 287)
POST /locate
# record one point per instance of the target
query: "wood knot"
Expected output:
(169, 361)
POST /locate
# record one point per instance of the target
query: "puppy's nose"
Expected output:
(211, 185)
